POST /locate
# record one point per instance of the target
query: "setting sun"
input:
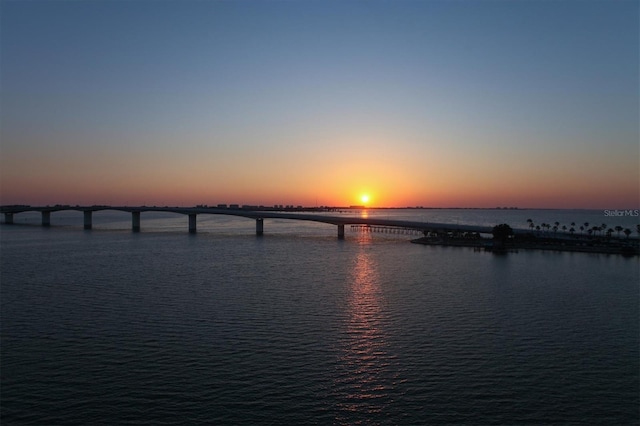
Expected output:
(364, 198)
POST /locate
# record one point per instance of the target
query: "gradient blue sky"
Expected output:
(434, 103)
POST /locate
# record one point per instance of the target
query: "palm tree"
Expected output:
(627, 232)
(609, 232)
(573, 224)
(564, 228)
(618, 230)
(581, 230)
(571, 231)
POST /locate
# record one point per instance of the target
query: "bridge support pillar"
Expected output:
(341, 232)
(259, 226)
(192, 223)
(8, 218)
(46, 218)
(135, 221)
(87, 219)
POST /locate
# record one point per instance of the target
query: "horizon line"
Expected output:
(298, 207)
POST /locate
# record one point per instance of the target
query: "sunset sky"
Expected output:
(430, 103)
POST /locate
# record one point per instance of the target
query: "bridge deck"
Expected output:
(340, 220)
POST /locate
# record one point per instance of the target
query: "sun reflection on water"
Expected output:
(363, 384)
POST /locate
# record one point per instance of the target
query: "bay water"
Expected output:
(108, 326)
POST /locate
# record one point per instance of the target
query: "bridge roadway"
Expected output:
(258, 215)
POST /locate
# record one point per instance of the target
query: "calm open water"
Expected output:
(297, 327)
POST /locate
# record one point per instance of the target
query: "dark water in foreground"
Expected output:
(297, 327)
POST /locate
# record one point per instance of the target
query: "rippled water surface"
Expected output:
(296, 327)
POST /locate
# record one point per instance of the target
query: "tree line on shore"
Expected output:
(585, 229)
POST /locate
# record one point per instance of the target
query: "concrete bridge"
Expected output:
(259, 216)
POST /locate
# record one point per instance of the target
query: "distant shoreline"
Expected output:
(325, 208)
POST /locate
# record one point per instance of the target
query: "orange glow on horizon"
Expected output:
(368, 183)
